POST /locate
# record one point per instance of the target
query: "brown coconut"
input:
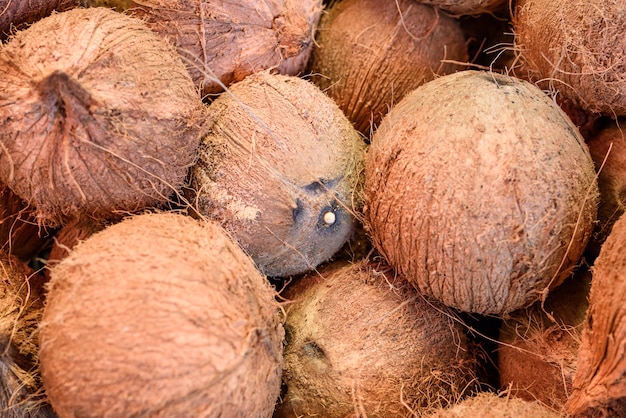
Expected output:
(608, 150)
(599, 388)
(361, 343)
(117, 5)
(21, 308)
(281, 169)
(538, 346)
(491, 405)
(98, 115)
(160, 315)
(576, 49)
(480, 191)
(222, 42)
(17, 14)
(368, 54)
(468, 7)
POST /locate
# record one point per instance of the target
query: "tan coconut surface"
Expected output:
(484, 199)
(97, 115)
(281, 168)
(21, 308)
(490, 405)
(224, 41)
(368, 54)
(17, 14)
(599, 388)
(467, 7)
(160, 315)
(575, 48)
(359, 342)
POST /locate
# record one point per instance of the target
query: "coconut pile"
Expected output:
(299, 208)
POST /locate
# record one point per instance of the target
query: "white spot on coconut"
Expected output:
(330, 218)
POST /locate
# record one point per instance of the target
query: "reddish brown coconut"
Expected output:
(485, 199)
(17, 14)
(117, 5)
(368, 54)
(281, 168)
(599, 388)
(21, 308)
(160, 315)
(539, 345)
(576, 48)
(360, 342)
(97, 115)
(468, 7)
(222, 42)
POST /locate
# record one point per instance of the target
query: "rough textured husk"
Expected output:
(357, 344)
(599, 388)
(490, 405)
(575, 47)
(223, 41)
(21, 307)
(16, 14)
(484, 199)
(539, 345)
(184, 325)
(278, 156)
(467, 7)
(608, 151)
(97, 115)
(368, 54)
(117, 5)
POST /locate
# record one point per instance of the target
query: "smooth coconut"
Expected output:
(223, 42)
(160, 315)
(583, 59)
(21, 308)
(98, 116)
(360, 342)
(480, 191)
(281, 168)
(599, 388)
(368, 54)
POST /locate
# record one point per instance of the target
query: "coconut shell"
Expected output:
(484, 200)
(21, 308)
(584, 57)
(98, 116)
(359, 343)
(599, 388)
(281, 169)
(182, 325)
(117, 5)
(17, 14)
(467, 7)
(368, 54)
(222, 42)
(539, 345)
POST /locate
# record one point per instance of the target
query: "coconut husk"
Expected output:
(459, 8)
(485, 201)
(491, 405)
(18, 14)
(117, 5)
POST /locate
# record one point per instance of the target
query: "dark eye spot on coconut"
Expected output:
(314, 351)
(320, 186)
(298, 212)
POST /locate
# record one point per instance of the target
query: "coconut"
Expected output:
(21, 307)
(468, 7)
(492, 405)
(359, 342)
(281, 169)
(599, 387)
(539, 345)
(370, 53)
(223, 42)
(484, 200)
(182, 325)
(98, 115)
(118, 5)
(17, 14)
(583, 58)
(608, 151)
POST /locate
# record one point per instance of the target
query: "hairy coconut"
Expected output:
(17, 14)
(160, 315)
(359, 341)
(576, 48)
(468, 7)
(369, 54)
(491, 405)
(485, 199)
(599, 388)
(222, 42)
(21, 307)
(608, 151)
(97, 115)
(118, 5)
(539, 345)
(281, 169)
